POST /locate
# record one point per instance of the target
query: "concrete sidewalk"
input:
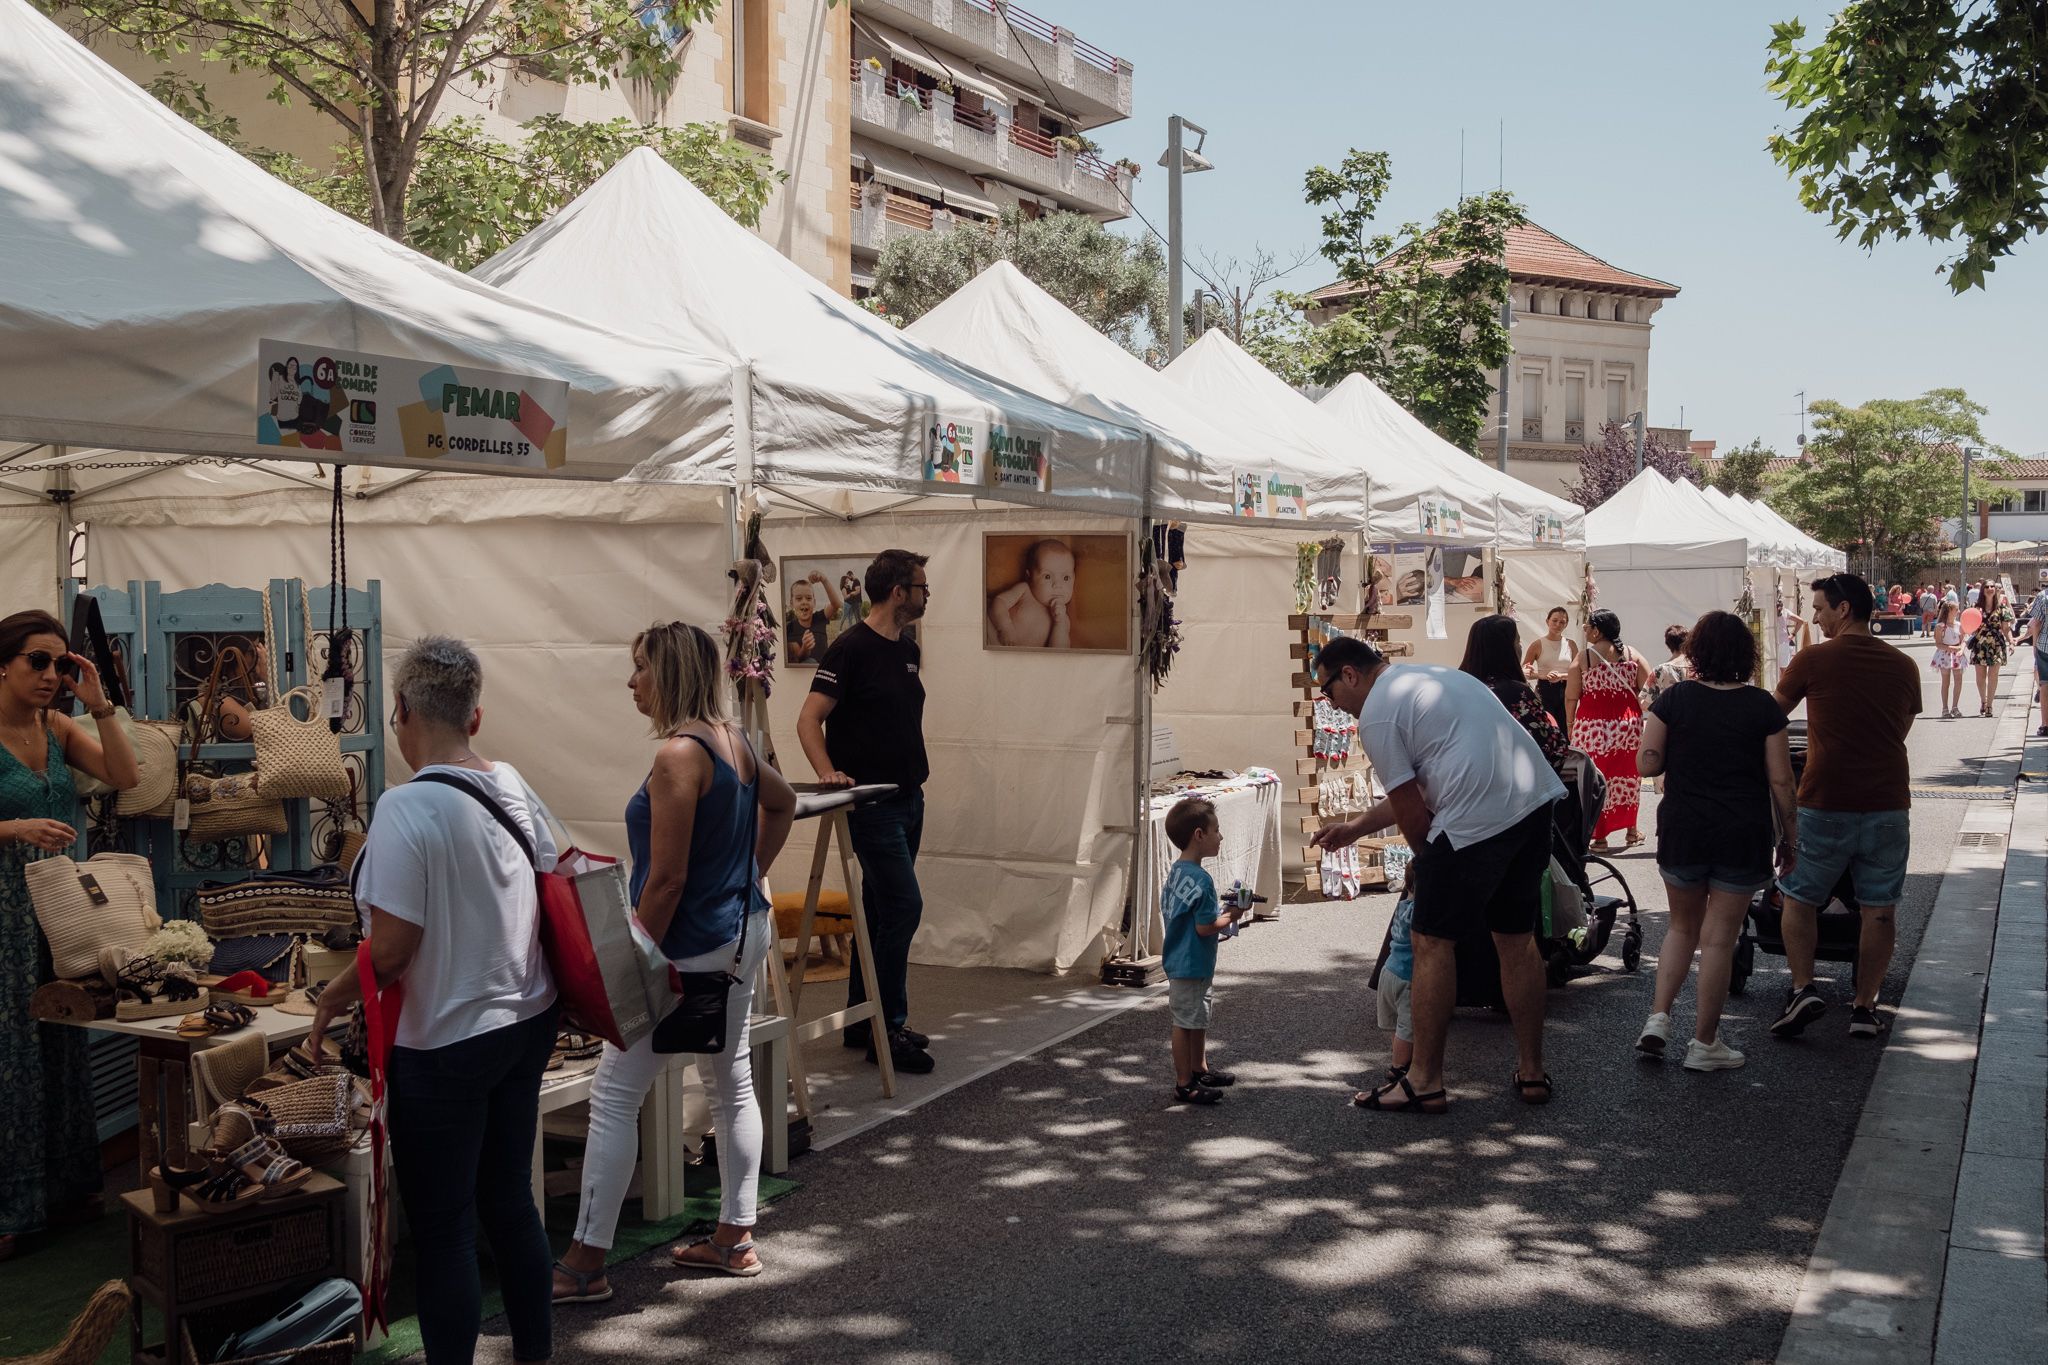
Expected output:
(1933, 1245)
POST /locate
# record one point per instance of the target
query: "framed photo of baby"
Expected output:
(1056, 590)
(822, 598)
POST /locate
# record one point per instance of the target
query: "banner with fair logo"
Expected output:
(1546, 528)
(1439, 516)
(311, 397)
(1285, 500)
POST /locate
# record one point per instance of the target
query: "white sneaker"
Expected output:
(1656, 1035)
(1714, 1056)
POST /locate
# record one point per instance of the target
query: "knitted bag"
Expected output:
(107, 901)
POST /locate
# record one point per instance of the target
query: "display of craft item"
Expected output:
(1341, 873)
(1305, 555)
(1159, 633)
(1335, 730)
(1369, 605)
(1329, 573)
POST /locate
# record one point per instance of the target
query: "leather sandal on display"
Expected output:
(224, 1192)
(725, 1254)
(264, 1164)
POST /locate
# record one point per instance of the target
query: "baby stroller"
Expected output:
(1587, 893)
(1839, 923)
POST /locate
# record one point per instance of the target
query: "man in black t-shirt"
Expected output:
(864, 722)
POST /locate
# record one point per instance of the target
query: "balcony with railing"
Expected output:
(1015, 44)
(985, 141)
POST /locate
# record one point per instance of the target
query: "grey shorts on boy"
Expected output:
(1190, 999)
(1394, 1010)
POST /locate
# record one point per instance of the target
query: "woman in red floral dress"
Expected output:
(1606, 721)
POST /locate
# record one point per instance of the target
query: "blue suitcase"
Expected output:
(325, 1312)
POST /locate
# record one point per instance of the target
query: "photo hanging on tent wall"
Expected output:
(823, 597)
(1068, 591)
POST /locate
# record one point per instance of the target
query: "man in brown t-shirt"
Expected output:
(1861, 696)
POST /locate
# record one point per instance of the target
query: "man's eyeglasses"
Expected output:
(1325, 685)
(924, 588)
(41, 659)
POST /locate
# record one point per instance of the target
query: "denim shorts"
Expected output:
(1191, 1000)
(2040, 666)
(1740, 881)
(1870, 845)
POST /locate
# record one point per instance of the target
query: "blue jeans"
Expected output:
(462, 1124)
(886, 836)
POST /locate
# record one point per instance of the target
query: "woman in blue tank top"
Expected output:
(703, 827)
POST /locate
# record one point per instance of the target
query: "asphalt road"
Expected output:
(1063, 1209)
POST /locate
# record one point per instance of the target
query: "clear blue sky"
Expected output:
(1635, 130)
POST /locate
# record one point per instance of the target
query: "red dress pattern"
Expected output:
(1609, 728)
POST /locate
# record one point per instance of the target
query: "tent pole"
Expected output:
(60, 499)
(1141, 752)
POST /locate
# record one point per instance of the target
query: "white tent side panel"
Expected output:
(1031, 765)
(28, 559)
(1647, 600)
(1539, 580)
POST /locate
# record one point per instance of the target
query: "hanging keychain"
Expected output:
(334, 682)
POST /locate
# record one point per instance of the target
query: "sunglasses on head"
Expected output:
(40, 659)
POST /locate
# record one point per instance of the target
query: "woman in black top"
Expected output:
(1492, 656)
(1720, 745)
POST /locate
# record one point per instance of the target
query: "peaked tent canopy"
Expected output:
(1650, 524)
(1004, 323)
(837, 397)
(1365, 409)
(1768, 543)
(142, 263)
(1819, 554)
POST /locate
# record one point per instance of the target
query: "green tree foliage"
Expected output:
(1883, 476)
(1117, 283)
(473, 195)
(380, 70)
(1920, 118)
(1426, 323)
(1740, 473)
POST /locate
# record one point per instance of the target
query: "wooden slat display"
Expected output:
(1313, 630)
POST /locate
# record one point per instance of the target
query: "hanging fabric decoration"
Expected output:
(1503, 604)
(750, 630)
(1159, 631)
(1329, 573)
(1305, 553)
(1170, 546)
(1374, 574)
(334, 681)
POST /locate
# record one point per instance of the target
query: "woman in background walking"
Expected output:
(1991, 646)
(1605, 718)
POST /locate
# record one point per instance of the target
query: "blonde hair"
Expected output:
(688, 678)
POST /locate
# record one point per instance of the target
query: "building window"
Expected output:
(1617, 398)
(1575, 400)
(1619, 306)
(1532, 405)
(2034, 500)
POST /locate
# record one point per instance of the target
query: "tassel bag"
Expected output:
(230, 806)
(107, 901)
(295, 759)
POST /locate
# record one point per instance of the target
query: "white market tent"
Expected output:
(142, 261)
(1818, 554)
(1660, 555)
(1540, 538)
(1768, 542)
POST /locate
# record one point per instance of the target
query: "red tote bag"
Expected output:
(380, 1027)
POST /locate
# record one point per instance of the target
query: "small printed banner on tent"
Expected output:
(1284, 500)
(1022, 459)
(1248, 495)
(1440, 517)
(1546, 529)
(952, 454)
(316, 398)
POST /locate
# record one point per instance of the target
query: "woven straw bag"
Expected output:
(232, 805)
(156, 753)
(312, 1117)
(77, 924)
(298, 758)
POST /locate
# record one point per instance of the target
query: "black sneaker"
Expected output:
(1802, 1007)
(907, 1056)
(858, 1038)
(852, 1039)
(1864, 1023)
(913, 1037)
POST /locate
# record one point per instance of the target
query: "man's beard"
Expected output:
(909, 613)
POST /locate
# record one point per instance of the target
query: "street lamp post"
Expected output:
(1963, 529)
(1179, 159)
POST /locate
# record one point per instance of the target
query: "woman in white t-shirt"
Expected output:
(451, 910)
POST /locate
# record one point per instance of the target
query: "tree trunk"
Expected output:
(385, 163)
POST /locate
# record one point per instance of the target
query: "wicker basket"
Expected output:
(340, 1351)
(293, 1244)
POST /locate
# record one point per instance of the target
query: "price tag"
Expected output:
(181, 815)
(91, 886)
(333, 697)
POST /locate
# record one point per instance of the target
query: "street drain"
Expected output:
(1962, 793)
(1975, 839)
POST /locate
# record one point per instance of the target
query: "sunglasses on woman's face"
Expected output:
(41, 659)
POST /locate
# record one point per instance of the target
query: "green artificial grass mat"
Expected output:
(49, 1280)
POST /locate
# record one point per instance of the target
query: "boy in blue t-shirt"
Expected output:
(1395, 974)
(1193, 920)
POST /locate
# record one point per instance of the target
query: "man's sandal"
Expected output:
(1196, 1093)
(583, 1293)
(1533, 1092)
(1215, 1080)
(725, 1254)
(1381, 1099)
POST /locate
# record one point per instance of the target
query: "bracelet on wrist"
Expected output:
(105, 712)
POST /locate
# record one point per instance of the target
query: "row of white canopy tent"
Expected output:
(143, 266)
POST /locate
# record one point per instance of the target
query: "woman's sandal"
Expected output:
(225, 1016)
(1380, 1099)
(725, 1254)
(1196, 1093)
(1215, 1080)
(1540, 1089)
(583, 1293)
(223, 1191)
(265, 1164)
(246, 988)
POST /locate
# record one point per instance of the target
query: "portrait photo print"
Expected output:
(1056, 590)
(821, 598)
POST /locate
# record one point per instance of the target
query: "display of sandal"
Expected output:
(264, 1163)
(246, 988)
(224, 1191)
(222, 1016)
(574, 1045)
(151, 988)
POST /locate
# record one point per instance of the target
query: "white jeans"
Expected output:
(622, 1082)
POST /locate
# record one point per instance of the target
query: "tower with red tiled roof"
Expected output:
(1582, 351)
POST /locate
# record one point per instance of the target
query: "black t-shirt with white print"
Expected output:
(876, 731)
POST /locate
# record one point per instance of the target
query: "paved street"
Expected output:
(1060, 1208)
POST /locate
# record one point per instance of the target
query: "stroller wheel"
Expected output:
(1632, 949)
(1558, 965)
(1743, 965)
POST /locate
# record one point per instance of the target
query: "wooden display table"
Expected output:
(191, 1261)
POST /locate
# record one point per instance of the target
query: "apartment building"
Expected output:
(963, 108)
(1581, 337)
(885, 116)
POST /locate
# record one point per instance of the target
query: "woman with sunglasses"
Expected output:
(47, 1123)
